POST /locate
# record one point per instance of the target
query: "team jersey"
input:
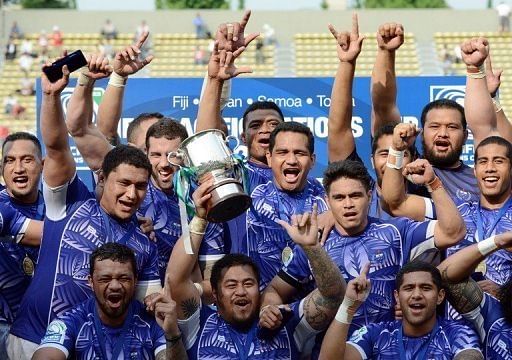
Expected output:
(267, 240)
(380, 341)
(207, 336)
(74, 333)
(19, 259)
(75, 225)
(460, 183)
(163, 210)
(387, 245)
(494, 330)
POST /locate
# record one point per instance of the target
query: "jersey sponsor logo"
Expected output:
(56, 332)
(358, 334)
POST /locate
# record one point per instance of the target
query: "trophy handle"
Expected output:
(229, 138)
(175, 155)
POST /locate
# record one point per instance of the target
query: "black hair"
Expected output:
(261, 105)
(21, 135)
(125, 154)
(443, 104)
(166, 128)
(505, 296)
(498, 140)
(292, 126)
(388, 129)
(228, 261)
(417, 266)
(135, 124)
(346, 169)
(115, 252)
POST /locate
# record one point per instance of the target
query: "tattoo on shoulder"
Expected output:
(189, 307)
(469, 354)
(464, 296)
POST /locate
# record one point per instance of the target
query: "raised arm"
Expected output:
(59, 165)
(230, 42)
(478, 106)
(390, 37)
(126, 63)
(181, 265)
(91, 143)
(334, 345)
(463, 293)
(321, 304)
(341, 139)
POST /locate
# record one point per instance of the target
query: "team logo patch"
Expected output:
(56, 333)
(358, 334)
(451, 92)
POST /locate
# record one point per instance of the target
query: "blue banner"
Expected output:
(304, 100)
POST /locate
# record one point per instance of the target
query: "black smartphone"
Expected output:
(74, 61)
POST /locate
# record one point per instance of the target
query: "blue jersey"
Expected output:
(74, 333)
(494, 330)
(266, 239)
(207, 336)
(380, 341)
(75, 225)
(460, 183)
(163, 210)
(387, 245)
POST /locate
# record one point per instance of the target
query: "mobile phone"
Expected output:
(74, 61)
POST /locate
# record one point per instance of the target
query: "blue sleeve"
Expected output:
(212, 245)
(158, 338)
(417, 237)
(149, 269)
(60, 334)
(298, 267)
(363, 339)
(461, 337)
(317, 187)
(11, 220)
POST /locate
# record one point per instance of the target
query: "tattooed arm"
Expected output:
(321, 304)
(463, 293)
(181, 265)
(469, 354)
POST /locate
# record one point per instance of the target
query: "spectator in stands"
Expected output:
(15, 32)
(42, 42)
(12, 105)
(269, 35)
(420, 334)
(27, 47)
(145, 48)
(91, 329)
(25, 61)
(490, 315)
(106, 49)
(235, 284)
(9, 102)
(10, 50)
(57, 41)
(27, 87)
(200, 57)
(108, 30)
(446, 61)
(200, 26)
(503, 16)
(259, 54)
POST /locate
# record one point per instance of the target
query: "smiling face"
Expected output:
(290, 160)
(418, 297)
(256, 135)
(124, 190)
(22, 166)
(162, 170)
(238, 296)
(113, 284)
(443, 137)
(493, 173)
(349, 200)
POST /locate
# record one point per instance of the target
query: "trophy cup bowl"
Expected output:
(207, 153)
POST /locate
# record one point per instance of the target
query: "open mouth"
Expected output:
(126, 206)
(350, 214)
(417, 308)
(20, 181)
(242, 304)
(291, 174)
(264, 142)
(490, 180)
(165, 176)
(114, 300)
(442, 145)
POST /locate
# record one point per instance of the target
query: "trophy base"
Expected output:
(227, 202)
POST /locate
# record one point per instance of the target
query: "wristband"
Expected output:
(84, 80)
(198, 225)
(434, 185)
(487, 246)
(497, 105)
(474, 72)
(117, 80)
(225, 94)
(199, 288)
(343, 316)
(395, 159)
(174, 339)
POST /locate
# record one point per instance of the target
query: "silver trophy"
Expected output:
(207, 153)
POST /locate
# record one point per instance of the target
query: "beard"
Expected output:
(441, 161)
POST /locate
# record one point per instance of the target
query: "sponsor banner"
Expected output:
(305, 100)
